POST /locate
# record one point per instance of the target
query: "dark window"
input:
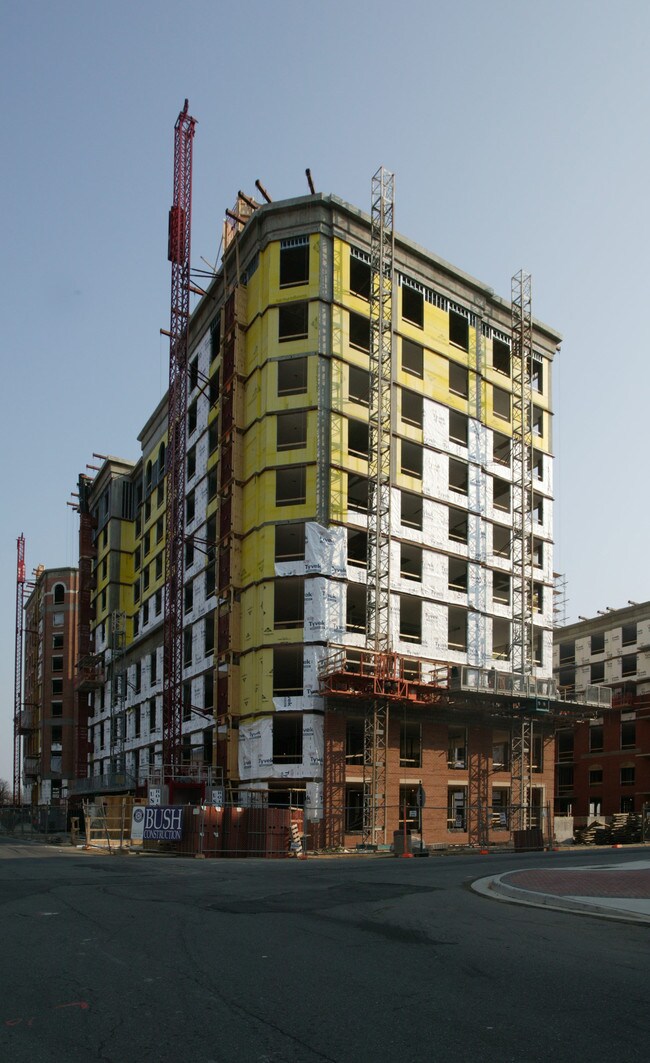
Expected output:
(287, 671)
(59, 594)
(501, 588)
(458, 330)
(191, 462)
(501, 356)
(458, 476)
(359, 332)
(354, 731)
(357, 493)
(291, 430)
(628, 664)
(412, 459)
(501, 403)
(627, 776)
(358, 438)
(458, 529)
(208, 636)
(411, 510)
(191, 418)
(293, 321)
(355, 615)
(413, 358)
(457, 574)
(410, 618)
(153, 667)
(289, 542)
(567, 652)
(598, 672)
(353, 808)
(629, 634)
(193, 373)
(458, 380)
(536, 371)
(598, 642)
(412, 306)
(291, 486)
(57, 664)
(411, 562)
(410, 745)
(287, 739)
(189, 508)
(501, 540)
(412, 408)
(189, 597)
(359, 277)
(501, 494)
(501, 448)
(628, 734)
(357, 548)
(289, 602)
(292, 376)
(596, 739)
(457, 628)
(359, 385)
(457, 747)
(294, 265)
(458, 427)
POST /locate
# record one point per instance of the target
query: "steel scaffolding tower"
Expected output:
(18, 679)
(382, 242)
(180, 217)
(522, 545)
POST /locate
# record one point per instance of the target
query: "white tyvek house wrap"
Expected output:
(256, 750)
(325, 553)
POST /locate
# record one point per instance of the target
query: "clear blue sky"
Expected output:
(517, 134)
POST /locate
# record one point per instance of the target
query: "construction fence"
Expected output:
(248, 825)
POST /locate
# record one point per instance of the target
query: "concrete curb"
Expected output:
(496, 889)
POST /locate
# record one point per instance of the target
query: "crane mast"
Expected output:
(180, 217)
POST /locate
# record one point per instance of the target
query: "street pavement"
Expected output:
(619, 892)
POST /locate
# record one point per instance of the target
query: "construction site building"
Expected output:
(47, 718)
(276, 535)
(603, 765)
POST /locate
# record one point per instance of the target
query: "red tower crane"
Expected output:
(18, 682)
(180, 217)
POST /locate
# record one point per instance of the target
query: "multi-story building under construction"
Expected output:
(281, 541)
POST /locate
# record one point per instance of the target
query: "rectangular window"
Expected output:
(291, 430)
(191, 418)
(628, 634)
(57, 664)
(358, 385)
(193, 373)
(191, 462)
(56, 708)
(153, 667)
(411, 510)
(287, 739)
(291, 486)
(412, 459)
(501, 494)
(357, 493)
(627, 775)
(57, 687)
(411, 562)
(457, 574)
(287, 671)
(538, 422)
(596, 739)
(501, 588)
(410, 618)
(208, 636)
(628, 734)
(458, 330)
(458, 380)
(595, 776)
(289, 542)
(353, 808)
(536, 371)
(501, 751)
(359, 332)
(289, 603)
(187, 701)
(410, 745)
(501, 403)
(538, 598)
(456, 628)
(293, 322)
(359, 277)
(358, 438)
(628, 664)
(597, 672)
(457, 747)
(354, 732)
(501, 639)
(501, 356)
(413, 408)
(189, 507)
(189, 597)
(412, 306)
(501, 541)
(458, 476)
(152, 715)
(458, 427)
(292, 376)
(355, 613)
(413, 358)
(598, 642)
(357, 548)
(458, 525)
(294, 265)
(457, 808)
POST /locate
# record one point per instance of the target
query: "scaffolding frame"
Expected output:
(382, 247)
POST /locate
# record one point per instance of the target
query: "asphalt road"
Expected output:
(126, 959)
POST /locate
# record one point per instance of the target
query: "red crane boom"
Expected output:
(180, 217)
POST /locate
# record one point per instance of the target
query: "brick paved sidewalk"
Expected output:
(578, 883)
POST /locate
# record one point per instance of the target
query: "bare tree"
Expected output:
(6, 793)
